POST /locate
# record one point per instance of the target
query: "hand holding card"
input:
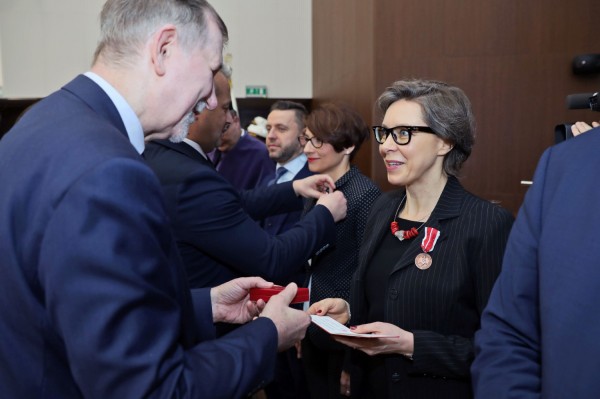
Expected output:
(334, 328)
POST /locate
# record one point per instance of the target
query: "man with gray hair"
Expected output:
(94, 298)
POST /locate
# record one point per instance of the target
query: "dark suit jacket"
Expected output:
(442, 305)
(94, 298)
(214, 227)
(539, 332)
(277, 224)
(247, 165)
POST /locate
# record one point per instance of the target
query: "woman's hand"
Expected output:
(336, 308)
(402, 343)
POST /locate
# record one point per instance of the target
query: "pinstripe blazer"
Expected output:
(443, 304)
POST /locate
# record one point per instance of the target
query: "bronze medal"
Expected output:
(423, 261)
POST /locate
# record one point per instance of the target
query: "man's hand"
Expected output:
(230, 301)
(336, 308)
(291, 323)
(336, 203)
(314, 186)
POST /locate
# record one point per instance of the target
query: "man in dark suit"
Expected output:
(539, 331)
(285, 123)
(242, 158)
(94, 298)
(215, 226)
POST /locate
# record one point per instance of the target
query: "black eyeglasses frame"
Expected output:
(394, 132)
(303, 140)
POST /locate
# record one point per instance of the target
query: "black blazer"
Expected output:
(442, 305)
(215, 226)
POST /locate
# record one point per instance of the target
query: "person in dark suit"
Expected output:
(216, 227)
(333, 135)
(539, 332)
(94, 298)
(285, 123)
(430, 255)
(242, 158)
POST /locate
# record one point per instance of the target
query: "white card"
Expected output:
(335, 328)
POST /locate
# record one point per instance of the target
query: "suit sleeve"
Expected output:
(210, 218)
(507, 363)
(115, 295)
(266, 201)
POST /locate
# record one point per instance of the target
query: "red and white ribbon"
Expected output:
(431, 237)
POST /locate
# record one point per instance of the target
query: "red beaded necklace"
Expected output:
(403, 234)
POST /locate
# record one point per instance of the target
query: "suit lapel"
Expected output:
(185, 149)
(448, 206)
(304, 172)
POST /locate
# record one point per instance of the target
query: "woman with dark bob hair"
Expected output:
(333, 136)
(430, 255)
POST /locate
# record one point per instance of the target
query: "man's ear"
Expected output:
(162, 47)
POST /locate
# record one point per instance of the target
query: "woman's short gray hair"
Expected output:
(446, 110)
(125, 25)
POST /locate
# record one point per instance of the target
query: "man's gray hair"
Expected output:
(125, 25)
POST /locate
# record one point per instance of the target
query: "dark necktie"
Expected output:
(278, 173)
(216, 157)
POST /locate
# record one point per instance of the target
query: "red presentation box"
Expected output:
(266, 293)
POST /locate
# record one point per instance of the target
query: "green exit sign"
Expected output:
(256, 91)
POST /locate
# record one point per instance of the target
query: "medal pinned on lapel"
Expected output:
(423, 260)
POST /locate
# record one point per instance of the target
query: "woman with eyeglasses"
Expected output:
(333, 136)
(430, 255)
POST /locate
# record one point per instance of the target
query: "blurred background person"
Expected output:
(285, 123)
(333, 135)
(242, 158)
(431, 252)
(282, 128)
(257, 128)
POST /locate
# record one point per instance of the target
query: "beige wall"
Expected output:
(47, 42)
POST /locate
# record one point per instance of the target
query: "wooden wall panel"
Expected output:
(343, 56)
(511, 57)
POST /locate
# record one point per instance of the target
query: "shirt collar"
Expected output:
(295, 165)
(195, 146)
(132, 123)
